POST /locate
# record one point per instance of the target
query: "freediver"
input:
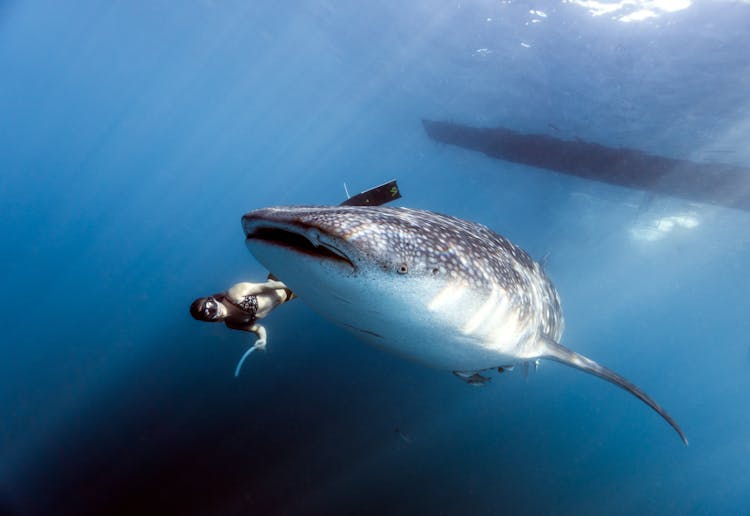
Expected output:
(240, 307)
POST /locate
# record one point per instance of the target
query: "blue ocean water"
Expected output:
(134, 135)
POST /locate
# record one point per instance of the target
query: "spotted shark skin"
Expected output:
(443, 291)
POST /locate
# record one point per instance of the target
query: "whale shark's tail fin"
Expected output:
(560, 353)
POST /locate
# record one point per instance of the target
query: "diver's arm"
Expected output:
(260, 331)
(260, 344)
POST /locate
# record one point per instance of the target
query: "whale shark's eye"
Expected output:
(403, 268)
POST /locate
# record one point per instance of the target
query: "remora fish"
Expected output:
(440, 290)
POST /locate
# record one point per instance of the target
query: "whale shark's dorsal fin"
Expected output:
(560, 353)
(376, 196)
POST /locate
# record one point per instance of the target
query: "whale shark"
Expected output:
(439, 290)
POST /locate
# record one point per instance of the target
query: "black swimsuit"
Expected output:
(249, 305)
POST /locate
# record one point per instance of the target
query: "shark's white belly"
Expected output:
(444, 326)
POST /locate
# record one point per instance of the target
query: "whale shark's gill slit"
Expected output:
(299, 243)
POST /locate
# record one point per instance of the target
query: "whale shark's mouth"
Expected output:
(301, 240)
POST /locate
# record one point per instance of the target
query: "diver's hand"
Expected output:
(260, 331)
(260, 344)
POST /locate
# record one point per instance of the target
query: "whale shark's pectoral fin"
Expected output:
(472, 378)
(560, 353)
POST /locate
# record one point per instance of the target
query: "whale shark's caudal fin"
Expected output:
(560, 353)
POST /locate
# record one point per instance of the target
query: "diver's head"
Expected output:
(208, 309)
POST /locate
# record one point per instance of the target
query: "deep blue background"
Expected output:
(133, 136)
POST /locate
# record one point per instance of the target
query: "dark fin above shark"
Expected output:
(560, 353)
(376, 196)
(713, 183)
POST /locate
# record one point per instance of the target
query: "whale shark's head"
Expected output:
(358, 266)
(344, 240)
